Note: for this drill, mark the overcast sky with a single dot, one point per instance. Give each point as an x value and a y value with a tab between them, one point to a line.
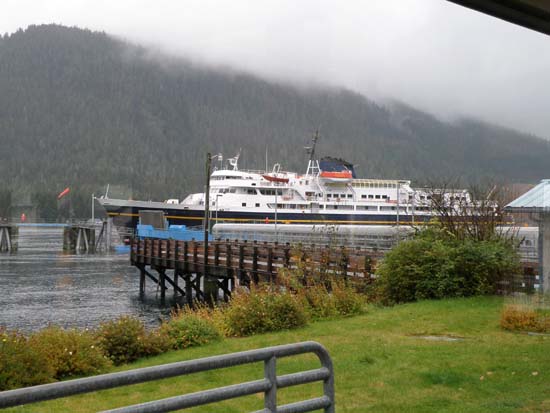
433	54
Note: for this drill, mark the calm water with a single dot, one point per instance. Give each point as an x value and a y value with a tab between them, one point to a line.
41	285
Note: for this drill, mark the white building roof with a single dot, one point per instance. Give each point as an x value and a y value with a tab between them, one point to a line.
534	200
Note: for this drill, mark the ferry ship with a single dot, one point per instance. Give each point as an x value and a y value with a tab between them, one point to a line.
328	193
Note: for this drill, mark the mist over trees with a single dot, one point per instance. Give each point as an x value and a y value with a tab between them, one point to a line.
83	109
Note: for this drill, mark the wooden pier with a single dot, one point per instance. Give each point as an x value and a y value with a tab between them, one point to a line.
8	238
233	263
79	238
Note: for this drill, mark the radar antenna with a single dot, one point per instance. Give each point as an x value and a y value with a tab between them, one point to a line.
313	164
234	161
310	150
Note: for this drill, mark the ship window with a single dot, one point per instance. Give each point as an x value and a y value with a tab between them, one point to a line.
310	193
257	204
292	206
377	196
384	197
232	190
367	207
270	191
243	204
251	192
342	195
307	182
350	196
329	195
363	196
371	196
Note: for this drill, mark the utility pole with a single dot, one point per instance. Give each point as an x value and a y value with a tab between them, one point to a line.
276	233
206	212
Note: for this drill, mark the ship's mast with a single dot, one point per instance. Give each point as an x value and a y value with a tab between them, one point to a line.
313	164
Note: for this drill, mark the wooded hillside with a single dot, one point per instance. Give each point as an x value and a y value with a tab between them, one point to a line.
83	109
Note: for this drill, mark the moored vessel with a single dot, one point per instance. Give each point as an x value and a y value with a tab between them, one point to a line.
328	193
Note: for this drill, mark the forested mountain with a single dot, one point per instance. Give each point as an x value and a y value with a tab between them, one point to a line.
83	109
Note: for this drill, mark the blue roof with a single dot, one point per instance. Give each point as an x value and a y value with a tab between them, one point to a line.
534	200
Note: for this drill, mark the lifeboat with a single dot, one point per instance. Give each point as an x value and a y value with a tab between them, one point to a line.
336	176
275	178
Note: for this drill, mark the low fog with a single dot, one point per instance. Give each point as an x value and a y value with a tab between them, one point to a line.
433	54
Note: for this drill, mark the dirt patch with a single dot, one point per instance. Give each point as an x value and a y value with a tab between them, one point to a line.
431	337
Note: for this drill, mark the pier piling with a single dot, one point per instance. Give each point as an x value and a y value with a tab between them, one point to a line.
79	239
8	238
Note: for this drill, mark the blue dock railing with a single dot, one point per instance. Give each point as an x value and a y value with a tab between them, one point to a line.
176	232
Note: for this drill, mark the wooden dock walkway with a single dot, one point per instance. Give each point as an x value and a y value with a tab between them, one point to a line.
232	263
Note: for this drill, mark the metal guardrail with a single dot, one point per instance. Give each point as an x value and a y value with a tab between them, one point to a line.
268	385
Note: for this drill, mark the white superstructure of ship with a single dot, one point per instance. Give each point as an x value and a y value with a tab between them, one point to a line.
326	193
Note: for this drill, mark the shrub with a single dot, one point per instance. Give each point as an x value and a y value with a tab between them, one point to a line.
20	365
188	330
261	311
155	342
318	302
522	318
122	339
436	265
347	301
285	311
69	352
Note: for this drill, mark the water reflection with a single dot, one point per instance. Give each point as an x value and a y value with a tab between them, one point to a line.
41	285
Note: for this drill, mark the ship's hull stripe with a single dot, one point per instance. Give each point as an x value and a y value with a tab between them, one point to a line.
125	216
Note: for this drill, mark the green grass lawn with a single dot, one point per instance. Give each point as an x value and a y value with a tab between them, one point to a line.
381	365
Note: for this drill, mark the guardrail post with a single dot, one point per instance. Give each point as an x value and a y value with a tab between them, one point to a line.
270	396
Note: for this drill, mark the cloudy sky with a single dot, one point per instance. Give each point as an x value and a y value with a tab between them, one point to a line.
433	54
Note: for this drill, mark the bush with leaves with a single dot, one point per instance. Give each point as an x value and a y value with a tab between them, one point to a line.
346	299
434	264
318	302
262	310
189	330
125	340
69	352
20	365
